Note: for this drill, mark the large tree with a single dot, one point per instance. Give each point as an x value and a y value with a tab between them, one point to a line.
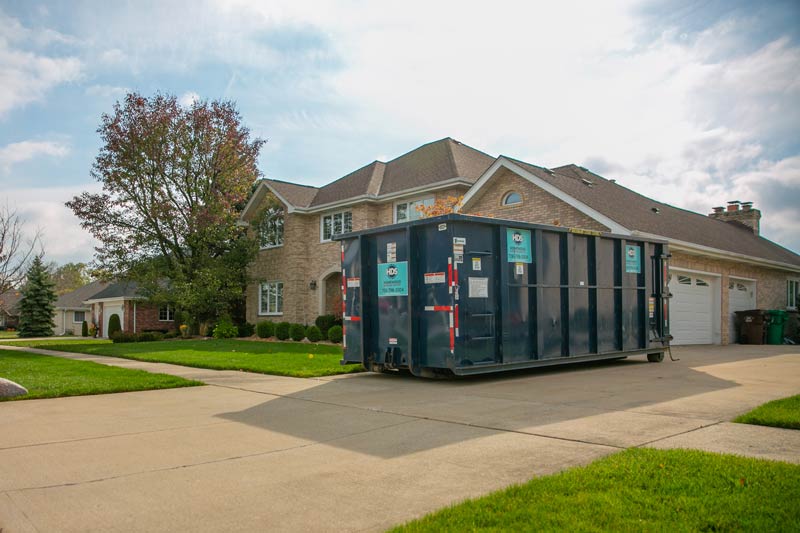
37	303
16	251
174	180
69	276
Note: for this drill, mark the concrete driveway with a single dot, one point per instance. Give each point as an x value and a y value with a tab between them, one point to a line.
363	452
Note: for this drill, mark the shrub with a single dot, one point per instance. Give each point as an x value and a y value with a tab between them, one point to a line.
225	329
297	332
324	323
246	330
113	325
149	336
92	330
282	330
206	329
265	329
335	334
313	334
184	329
170	334
123	336
85	329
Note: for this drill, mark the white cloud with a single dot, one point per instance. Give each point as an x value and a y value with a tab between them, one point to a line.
19	152
187	99
62	237
27	76
107	91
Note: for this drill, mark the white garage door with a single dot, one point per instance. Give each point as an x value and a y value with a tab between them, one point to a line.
741	297
690	309
109	310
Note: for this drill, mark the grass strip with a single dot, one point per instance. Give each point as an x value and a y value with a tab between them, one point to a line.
303	360
51	377
639	490
783	413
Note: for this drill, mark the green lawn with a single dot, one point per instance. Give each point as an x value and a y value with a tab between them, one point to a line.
8	334
783	413
639	490
302	360
51	377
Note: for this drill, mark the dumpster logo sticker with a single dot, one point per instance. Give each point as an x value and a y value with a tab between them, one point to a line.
518	244
393	279
632	263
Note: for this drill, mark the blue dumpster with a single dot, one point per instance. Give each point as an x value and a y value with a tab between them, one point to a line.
467	295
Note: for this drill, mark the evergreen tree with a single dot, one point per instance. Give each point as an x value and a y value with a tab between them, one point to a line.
37	303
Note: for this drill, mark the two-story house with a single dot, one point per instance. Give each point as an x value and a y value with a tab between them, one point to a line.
720	262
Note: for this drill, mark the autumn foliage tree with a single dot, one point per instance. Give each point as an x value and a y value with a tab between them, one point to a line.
173	181
441	206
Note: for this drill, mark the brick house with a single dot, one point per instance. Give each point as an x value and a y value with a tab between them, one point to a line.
136	314
9	310
71	311
720	263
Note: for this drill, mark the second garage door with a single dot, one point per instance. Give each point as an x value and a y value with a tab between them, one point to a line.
691	309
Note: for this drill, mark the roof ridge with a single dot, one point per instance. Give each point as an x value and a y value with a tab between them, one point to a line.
292	183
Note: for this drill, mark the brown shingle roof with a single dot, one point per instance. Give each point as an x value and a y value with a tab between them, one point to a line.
296	194
75	299
427	165
354	184
635	212
434	162
9	301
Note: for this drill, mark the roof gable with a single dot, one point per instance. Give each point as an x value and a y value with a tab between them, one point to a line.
75	299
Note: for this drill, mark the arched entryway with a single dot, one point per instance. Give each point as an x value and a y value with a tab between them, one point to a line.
331	294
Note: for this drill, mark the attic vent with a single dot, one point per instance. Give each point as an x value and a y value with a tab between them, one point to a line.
655	210
587	182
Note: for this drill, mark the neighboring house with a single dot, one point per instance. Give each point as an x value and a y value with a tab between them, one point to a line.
135	313
9	312
71	311
719	264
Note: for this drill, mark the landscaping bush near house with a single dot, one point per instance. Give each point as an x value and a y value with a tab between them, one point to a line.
170	335
84	329
123	336
184	329
335	334
265	329
324	323
246	330
113	325
282	330
297	332
225	329
313	334
207	329
150	336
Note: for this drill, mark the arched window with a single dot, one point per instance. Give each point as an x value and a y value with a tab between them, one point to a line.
512	198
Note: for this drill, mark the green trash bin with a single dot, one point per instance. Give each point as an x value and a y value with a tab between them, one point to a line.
777	320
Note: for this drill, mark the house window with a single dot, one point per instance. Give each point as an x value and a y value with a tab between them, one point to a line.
166	313
79	316
512	198
701	283
271	228
684	280
270	298
792	293
335	224
405	211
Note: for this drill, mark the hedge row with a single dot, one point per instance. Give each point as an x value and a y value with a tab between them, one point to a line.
297	332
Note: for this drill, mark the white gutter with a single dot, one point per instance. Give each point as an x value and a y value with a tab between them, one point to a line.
716	253
363	198
113	299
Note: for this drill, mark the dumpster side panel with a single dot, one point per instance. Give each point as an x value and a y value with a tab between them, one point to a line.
352	300
392	340
433	296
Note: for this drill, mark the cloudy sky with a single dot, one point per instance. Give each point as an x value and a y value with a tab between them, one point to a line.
692	103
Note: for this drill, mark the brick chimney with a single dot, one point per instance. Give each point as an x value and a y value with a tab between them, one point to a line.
739	212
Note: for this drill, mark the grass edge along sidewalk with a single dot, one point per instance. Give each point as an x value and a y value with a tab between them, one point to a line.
46	376
293	359
640	489
782	413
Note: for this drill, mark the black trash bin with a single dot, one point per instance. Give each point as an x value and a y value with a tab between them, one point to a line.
751	325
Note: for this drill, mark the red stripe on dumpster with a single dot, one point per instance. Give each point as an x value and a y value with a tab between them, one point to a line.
450	274
344	301
452	334
353	318
456	319
438	308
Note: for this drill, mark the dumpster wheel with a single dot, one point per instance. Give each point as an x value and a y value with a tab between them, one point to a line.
655	357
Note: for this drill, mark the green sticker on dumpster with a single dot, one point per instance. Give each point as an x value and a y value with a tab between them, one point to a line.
518	244
632	259
393	279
